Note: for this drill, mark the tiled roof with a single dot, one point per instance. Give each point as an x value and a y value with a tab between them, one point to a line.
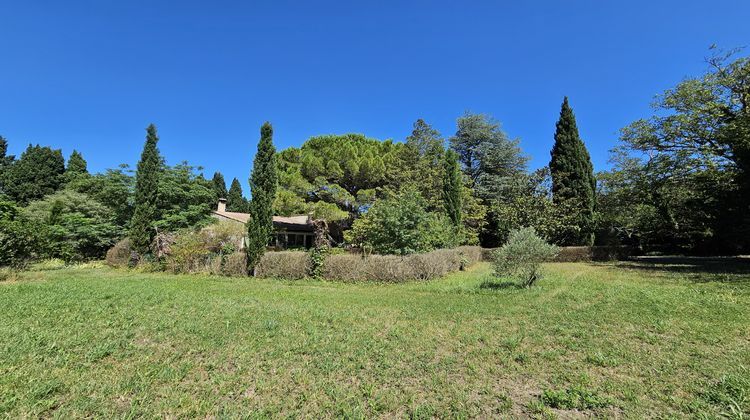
302	219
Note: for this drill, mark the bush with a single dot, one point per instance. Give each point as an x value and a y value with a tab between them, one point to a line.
393	268
235	265
188	254
291	265
522	256
19	238
121	255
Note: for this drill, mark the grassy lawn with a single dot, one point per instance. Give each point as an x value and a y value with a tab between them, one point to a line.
665	338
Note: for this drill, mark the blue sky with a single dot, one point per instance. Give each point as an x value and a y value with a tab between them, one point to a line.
91	75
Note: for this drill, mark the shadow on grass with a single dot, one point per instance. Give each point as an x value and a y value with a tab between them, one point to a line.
697	269
499	285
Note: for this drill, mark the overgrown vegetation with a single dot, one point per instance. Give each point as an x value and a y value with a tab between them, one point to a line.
679	184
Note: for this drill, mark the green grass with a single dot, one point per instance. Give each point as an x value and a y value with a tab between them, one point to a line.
629	340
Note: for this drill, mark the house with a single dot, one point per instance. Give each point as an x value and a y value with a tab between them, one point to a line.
288	232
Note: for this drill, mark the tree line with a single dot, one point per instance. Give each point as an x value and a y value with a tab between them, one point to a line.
678	183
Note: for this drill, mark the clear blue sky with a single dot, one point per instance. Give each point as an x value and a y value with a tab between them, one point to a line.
91	75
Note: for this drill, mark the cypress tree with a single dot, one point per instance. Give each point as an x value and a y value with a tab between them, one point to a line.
146	191
220	186
76	166
263	183
452	187
573	176
38	172
235	200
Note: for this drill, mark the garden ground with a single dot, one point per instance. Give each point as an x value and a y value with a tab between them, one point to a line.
655	337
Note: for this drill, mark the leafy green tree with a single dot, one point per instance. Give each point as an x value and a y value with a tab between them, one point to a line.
573	175
183	198
220	186
489	158
263	185
690	162
146	211
19	238
421	164
113	188
452	188
5	162
235	200
77	227
401	225
38	172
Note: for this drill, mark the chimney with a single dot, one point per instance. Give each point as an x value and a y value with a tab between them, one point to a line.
222	205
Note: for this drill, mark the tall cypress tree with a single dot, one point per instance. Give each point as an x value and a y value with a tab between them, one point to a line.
573	179
220	186
146	191
263	183
452	187
235	200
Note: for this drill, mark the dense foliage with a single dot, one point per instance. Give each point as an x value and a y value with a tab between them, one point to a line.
402	225
573	179
235	200
679	182
145	213
263	185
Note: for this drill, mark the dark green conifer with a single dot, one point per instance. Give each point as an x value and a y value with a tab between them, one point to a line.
220	186
452	187
146	192
573	179
235	200
263	183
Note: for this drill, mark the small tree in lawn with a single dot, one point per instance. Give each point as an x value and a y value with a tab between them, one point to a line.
452	187
146	192
522	256
263	183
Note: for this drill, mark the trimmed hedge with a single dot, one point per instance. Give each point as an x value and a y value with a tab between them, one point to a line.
378	268
291	265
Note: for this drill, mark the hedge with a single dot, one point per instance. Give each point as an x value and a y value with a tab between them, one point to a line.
378	268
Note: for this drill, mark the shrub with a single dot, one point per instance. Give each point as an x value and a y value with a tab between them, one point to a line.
394	268
522	256
224	237
188	254
19	238
291	265
235	265
122	255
